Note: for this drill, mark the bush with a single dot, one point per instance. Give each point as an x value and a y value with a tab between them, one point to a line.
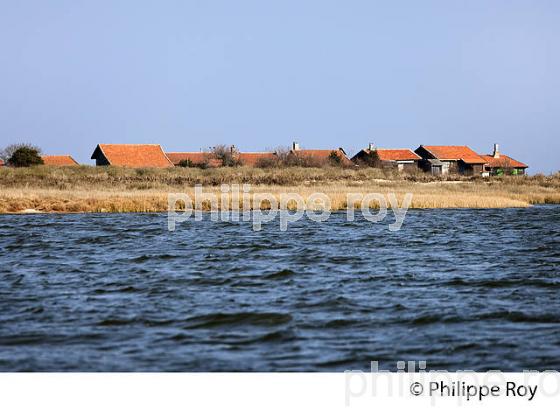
304	161
227	155
22	155
368	160
334	159
185	163
6	153
267	163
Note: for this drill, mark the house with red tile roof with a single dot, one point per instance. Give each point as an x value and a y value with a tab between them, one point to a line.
59	160
318	157
1	163
211	160
500	164
445	159
402	159
255	159
131	156
194	159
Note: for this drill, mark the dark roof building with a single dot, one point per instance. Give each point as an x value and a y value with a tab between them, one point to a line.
450	159
131	156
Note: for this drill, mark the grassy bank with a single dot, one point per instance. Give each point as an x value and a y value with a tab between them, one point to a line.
90	189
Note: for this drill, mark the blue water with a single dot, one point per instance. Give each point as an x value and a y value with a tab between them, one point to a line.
460	289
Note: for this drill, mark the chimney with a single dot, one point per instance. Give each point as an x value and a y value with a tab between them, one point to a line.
496	153
295	146
371	146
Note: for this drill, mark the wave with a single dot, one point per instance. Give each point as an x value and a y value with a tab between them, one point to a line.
240	318
281	274
503	283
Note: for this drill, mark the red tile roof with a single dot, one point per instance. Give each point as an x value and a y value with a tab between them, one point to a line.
503	161
322	154
247	158
252	158
197	158
194	157
1	163
133	155
397	155
58	160
455	152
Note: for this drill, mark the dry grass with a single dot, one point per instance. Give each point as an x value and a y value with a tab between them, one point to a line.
90	189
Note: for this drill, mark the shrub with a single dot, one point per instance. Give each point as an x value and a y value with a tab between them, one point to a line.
185	163
334	159
368	160
282	155
22	155
227	155
304	161
267	163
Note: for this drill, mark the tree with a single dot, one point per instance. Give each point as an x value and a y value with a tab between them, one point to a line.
21	155
7	152
229	156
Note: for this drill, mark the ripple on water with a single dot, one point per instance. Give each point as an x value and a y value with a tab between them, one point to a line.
460	289
238	318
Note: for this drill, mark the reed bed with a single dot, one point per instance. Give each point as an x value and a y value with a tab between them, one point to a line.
108	189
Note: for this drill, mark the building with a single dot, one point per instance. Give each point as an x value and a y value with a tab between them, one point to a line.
500	164
397	159
318	157
255	159
211	160
59	160
446	159
131	156
194	159
1	163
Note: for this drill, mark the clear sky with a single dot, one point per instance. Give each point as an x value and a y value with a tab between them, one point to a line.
259	74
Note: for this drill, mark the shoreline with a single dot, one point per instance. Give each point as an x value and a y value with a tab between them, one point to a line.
38	201
85	189
32	212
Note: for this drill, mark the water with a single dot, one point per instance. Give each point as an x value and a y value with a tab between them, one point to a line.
461	289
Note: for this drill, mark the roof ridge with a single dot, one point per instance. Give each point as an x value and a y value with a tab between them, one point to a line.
163	153
392	149
186	152
317	149
256	152
130	144
445	146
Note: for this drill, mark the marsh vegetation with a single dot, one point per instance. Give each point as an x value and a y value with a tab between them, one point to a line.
111	189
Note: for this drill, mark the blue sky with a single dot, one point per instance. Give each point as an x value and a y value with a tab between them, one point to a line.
191	74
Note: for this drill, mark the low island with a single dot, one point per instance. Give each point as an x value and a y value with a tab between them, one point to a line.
70	189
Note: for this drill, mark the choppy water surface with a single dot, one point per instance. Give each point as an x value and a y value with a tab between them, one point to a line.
461	289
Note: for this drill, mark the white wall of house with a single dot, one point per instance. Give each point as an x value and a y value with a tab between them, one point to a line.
445	167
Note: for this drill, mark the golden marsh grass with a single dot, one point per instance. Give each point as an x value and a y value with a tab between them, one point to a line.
91	189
